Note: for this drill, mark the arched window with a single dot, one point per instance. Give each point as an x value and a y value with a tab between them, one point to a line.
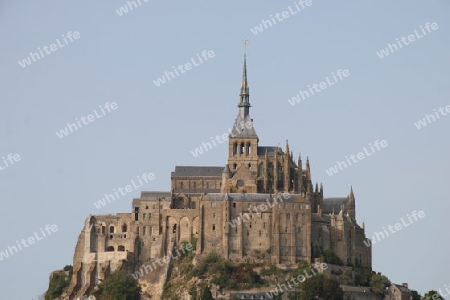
260	169
242	148
110	249
288	217
280	173
234	148
270	170
121	248
111	229
124	228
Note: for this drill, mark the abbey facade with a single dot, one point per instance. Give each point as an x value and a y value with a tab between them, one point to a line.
261	206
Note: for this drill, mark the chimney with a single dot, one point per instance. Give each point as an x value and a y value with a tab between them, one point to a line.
405	285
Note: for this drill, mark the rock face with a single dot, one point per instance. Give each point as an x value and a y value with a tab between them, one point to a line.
261	206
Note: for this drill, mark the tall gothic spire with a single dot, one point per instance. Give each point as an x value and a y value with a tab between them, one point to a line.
244	99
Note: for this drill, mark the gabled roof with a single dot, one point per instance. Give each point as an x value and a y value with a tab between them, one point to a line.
402	288
271	150
333	204
197	171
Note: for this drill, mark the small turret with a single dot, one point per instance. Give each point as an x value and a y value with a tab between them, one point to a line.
351	206
299	163
287	147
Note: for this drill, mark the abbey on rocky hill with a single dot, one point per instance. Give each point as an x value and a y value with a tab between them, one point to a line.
260	207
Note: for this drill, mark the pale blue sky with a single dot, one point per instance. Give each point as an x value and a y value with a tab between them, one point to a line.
155	128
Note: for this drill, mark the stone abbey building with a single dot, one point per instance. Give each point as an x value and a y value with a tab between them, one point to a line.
261	206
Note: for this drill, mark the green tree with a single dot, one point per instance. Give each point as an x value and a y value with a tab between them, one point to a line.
347	276
379	283
322	287
363	276
415	295
331	258
433	295
118	286
59	282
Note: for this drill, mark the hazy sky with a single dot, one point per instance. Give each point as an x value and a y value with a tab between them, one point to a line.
117	58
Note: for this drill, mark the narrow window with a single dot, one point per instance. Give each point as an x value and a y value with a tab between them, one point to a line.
214	226
234	205
214	215
111	229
